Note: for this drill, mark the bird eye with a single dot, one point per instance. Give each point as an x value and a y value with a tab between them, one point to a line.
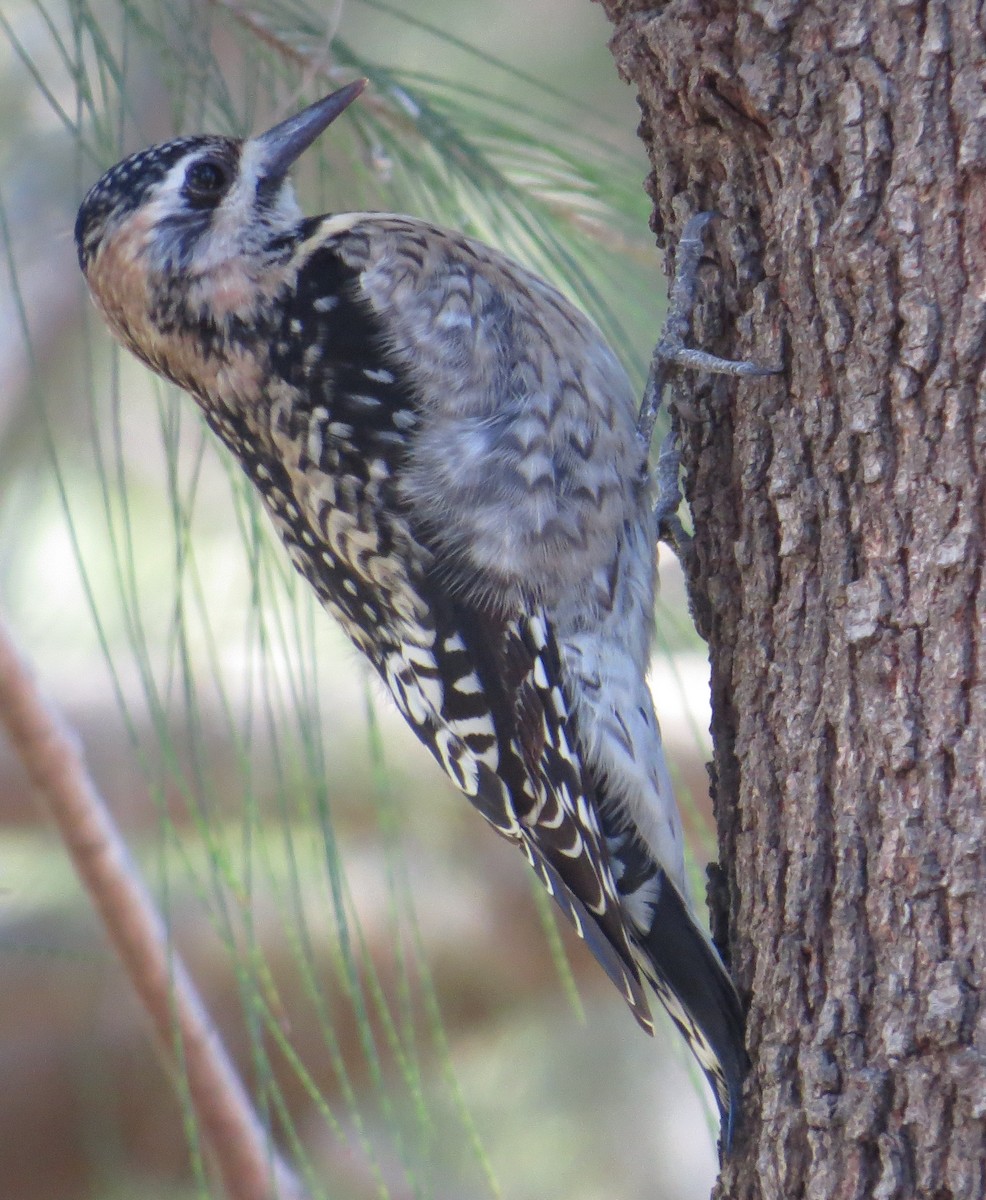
206	180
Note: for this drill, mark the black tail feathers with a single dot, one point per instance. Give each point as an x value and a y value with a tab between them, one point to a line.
690	980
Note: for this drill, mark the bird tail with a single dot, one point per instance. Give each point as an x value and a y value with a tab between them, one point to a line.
689	978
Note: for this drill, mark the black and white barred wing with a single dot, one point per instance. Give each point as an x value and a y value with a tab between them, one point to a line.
483	695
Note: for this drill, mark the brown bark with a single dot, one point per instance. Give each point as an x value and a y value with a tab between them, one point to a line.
839	565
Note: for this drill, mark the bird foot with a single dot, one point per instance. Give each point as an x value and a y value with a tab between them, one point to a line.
671	355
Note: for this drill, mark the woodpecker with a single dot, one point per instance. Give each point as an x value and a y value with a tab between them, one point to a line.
450	452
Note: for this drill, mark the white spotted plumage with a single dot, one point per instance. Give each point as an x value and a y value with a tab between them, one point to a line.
449	450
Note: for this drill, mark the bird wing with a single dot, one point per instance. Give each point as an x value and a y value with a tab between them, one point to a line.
525	460
484	697
478	682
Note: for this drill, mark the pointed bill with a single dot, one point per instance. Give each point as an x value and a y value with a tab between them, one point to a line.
287	141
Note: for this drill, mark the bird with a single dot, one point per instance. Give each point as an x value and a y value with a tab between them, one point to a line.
449	450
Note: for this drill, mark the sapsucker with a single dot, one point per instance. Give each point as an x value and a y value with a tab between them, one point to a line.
449	450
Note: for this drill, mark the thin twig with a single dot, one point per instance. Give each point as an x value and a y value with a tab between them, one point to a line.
246	1158
312	66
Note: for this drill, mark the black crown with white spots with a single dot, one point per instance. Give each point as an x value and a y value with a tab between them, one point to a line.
125	187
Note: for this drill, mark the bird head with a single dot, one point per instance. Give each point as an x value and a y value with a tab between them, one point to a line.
196	201
191	222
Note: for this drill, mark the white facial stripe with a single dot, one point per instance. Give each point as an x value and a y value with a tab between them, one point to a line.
231	222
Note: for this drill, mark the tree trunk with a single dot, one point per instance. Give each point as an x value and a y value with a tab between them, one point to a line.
839	562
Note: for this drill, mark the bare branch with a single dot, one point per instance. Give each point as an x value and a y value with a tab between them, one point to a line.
247	1160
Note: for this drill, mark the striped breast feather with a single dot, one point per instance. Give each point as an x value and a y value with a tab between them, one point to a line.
484	695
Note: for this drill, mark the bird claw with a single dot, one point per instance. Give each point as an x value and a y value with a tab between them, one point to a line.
670	355
669	526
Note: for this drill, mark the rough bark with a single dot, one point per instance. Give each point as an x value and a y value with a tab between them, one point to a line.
839	565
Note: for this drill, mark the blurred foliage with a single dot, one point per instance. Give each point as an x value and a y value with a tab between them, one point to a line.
224	716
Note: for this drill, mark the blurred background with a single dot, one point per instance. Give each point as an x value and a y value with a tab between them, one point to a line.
395	989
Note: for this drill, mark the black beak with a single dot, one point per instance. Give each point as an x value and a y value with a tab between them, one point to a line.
286	142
